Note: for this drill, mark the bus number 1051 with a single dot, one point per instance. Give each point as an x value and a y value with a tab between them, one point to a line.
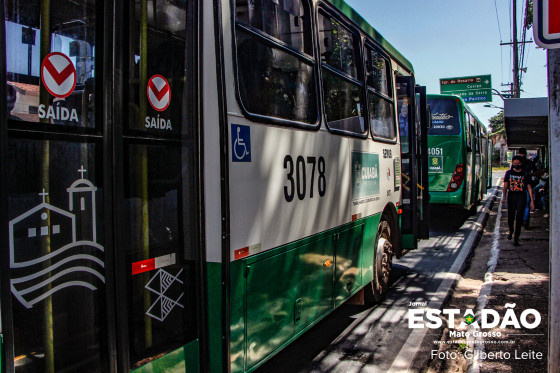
297	177
435	151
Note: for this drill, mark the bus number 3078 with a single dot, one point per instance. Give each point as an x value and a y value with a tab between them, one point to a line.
297	177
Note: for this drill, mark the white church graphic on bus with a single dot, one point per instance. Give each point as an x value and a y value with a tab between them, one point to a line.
73	253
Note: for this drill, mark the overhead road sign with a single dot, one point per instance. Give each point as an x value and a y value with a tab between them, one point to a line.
469	88
546	19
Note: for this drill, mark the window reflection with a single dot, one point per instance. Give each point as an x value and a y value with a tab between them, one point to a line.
275	83
342	103
162	311
281	19
158	48
378	72
72	33
337	46
57	256
275	80
404	114
343	93
382	117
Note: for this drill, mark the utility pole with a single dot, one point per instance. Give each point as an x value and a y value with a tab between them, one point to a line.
549	37
554	154
516	87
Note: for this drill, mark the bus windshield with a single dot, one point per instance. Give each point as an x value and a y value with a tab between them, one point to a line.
445	117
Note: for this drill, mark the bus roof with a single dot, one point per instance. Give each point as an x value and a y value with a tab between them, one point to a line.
349	12
463	103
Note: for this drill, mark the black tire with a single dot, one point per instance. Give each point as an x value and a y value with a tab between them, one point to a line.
382	263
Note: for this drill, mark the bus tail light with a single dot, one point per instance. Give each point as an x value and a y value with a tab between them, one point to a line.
457	178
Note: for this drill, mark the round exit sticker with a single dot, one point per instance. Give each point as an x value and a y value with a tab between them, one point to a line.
159	92
58	74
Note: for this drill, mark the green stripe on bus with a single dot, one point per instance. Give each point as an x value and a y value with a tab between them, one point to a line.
283	292
215	317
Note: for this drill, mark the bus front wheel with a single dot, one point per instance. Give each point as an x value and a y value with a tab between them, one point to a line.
382	262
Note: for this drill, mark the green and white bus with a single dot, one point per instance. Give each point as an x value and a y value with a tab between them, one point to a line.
459	151
188	186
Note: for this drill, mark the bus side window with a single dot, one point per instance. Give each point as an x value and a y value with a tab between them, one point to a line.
381	105
275	64
478	138
343	88
404	113
474	130
467	128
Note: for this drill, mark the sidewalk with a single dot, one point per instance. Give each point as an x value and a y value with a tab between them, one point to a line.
514	275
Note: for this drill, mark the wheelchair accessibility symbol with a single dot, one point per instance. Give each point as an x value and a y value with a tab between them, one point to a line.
240	143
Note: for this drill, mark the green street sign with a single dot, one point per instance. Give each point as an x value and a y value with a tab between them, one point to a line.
470	88
479	95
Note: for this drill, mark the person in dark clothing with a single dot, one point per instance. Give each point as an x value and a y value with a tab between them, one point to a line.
531	172
516	187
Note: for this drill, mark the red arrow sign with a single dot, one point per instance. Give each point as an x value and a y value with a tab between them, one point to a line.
159	92
58	74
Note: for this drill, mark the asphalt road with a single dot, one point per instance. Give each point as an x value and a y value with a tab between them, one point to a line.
377	338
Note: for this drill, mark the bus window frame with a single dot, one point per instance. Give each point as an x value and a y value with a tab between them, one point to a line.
47	127
467	129
474	132
286	48
368	43
329	11
479	135
402	71
6	320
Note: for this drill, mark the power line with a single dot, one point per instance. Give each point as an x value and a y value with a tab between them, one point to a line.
501	40
524	25
498	18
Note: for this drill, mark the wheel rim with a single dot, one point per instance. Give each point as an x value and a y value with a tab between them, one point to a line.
383	256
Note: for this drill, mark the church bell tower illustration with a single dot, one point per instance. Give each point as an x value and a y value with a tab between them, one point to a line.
81	196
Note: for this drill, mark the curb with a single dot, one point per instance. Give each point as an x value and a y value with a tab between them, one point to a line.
486	288
476	223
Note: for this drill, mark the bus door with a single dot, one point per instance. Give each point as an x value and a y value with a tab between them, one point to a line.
99	260
423	122
413	135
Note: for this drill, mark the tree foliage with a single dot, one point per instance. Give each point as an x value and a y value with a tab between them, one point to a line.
497	122
529	14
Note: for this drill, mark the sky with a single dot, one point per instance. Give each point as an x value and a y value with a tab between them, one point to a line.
455	38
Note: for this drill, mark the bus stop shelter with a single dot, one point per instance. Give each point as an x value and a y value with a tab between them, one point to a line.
526	122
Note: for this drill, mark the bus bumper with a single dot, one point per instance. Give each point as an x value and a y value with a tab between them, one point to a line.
447	198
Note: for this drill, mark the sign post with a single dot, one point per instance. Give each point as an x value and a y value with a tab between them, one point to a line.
546	31
469	88
554	246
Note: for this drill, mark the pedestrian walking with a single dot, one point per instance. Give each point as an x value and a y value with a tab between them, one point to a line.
516	188
530	169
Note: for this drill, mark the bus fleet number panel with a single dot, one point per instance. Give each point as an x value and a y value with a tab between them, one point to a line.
288	184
